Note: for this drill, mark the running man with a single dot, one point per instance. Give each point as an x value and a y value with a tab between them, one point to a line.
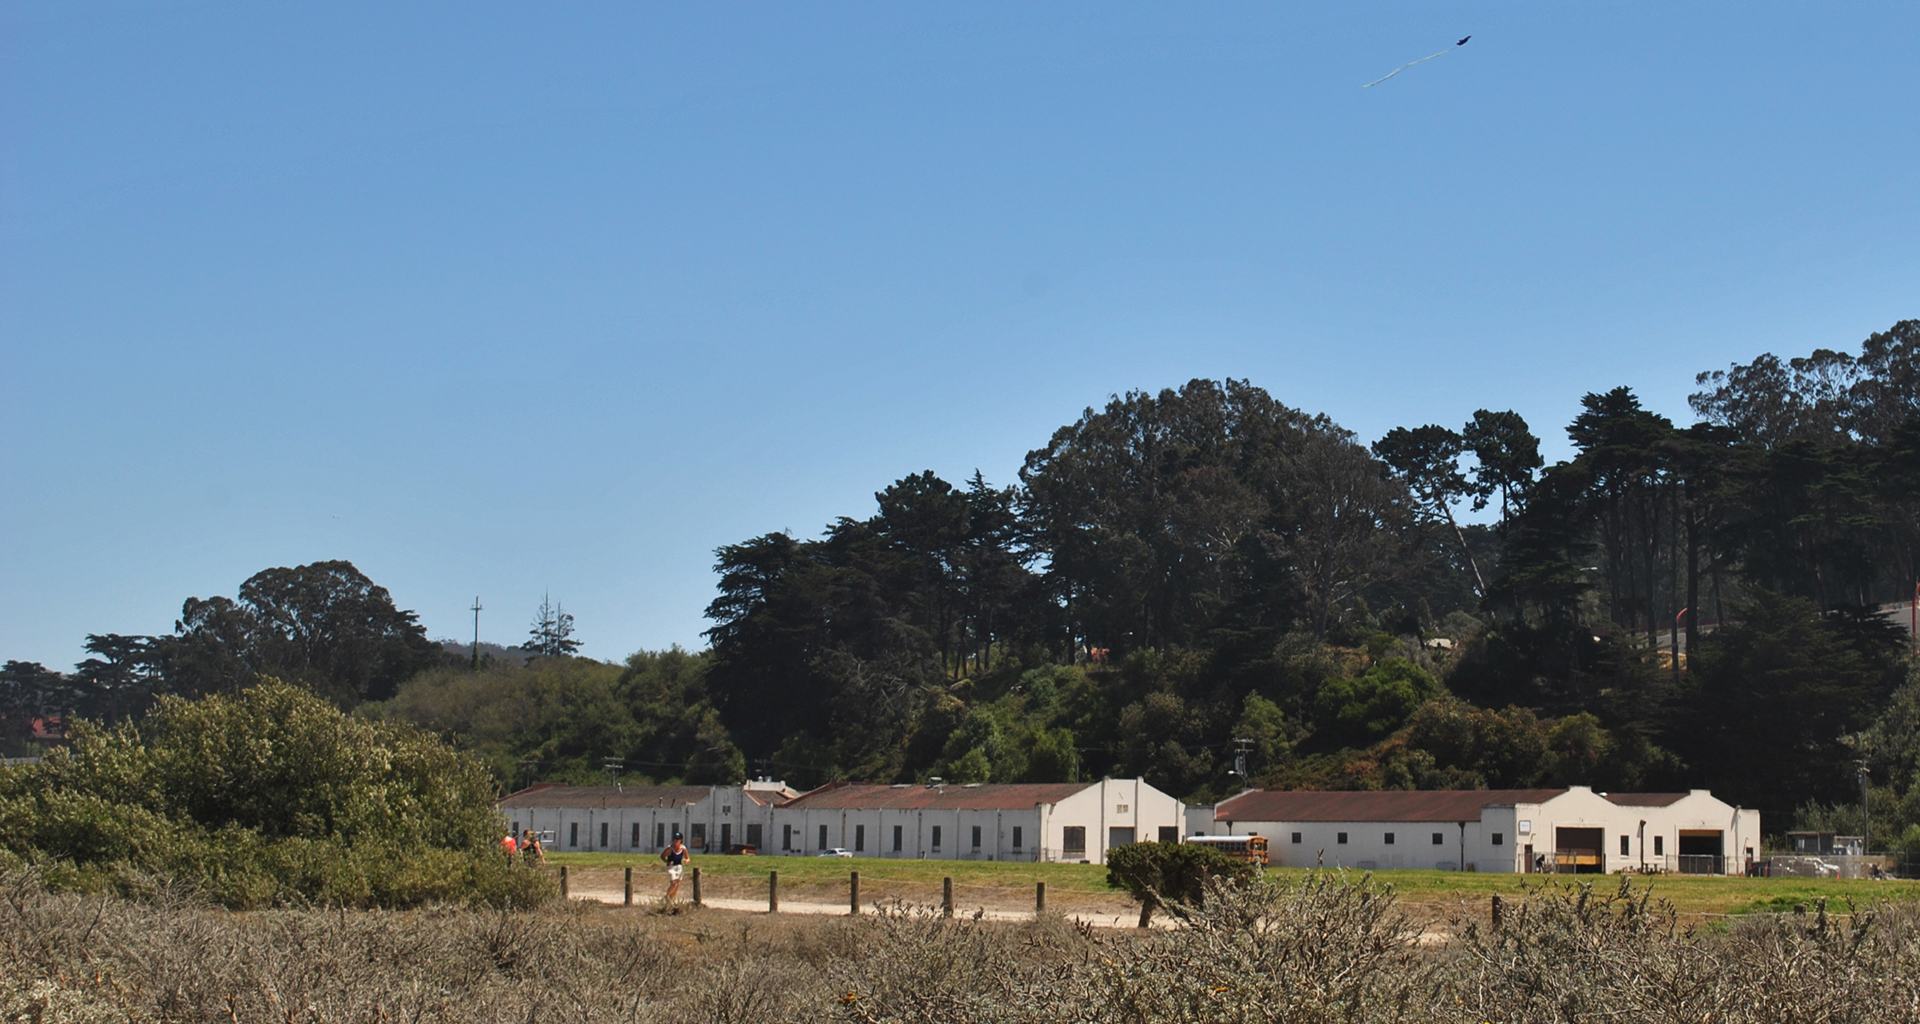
676	857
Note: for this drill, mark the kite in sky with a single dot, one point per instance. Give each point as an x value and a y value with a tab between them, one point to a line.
1411	63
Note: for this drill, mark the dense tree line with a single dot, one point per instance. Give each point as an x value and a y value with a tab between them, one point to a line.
1673	605
1209	588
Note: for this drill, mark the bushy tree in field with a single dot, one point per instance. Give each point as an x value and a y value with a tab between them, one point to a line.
1173	875
261	797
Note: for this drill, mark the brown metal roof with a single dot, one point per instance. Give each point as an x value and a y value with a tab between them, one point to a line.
548	795
1646	799
868	796
1390	805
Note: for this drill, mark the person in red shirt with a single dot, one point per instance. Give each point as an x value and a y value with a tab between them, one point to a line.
508	844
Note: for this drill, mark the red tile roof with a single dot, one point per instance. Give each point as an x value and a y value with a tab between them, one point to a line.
869	796
550	795
1646	799
1391	805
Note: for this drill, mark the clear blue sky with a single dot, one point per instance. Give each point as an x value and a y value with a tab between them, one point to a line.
501	300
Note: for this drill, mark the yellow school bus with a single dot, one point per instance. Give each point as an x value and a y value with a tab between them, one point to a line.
1252	849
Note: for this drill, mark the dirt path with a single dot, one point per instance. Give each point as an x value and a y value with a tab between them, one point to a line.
973	902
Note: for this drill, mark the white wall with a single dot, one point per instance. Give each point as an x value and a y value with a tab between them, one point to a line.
1109	805
1499	841
844	829
722	806
559	821
1099	809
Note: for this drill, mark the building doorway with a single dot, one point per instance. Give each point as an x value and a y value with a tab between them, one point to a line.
1579	851
1702	852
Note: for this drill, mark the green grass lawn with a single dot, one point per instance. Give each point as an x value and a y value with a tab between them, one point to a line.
1690	894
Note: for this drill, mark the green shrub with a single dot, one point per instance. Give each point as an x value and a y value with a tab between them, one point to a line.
1173	875
265	797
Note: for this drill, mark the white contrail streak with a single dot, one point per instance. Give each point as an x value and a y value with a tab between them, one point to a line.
1407	65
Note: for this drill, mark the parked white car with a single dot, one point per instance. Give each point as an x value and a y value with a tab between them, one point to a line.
835	852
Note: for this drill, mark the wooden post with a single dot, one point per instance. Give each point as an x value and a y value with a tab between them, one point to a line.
773	892
946	898
1496	913
629	886
696	888
1039	897
563	881
853	893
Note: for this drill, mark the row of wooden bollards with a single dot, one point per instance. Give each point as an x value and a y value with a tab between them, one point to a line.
853	893
565	888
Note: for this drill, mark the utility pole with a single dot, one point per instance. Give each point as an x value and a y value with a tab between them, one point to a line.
1241	745
612	766
1866	812
476	633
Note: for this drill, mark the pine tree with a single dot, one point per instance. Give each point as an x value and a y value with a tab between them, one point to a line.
552	632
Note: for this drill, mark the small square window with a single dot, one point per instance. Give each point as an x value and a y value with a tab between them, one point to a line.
1341	838
1389	839
1296	837
1119	808
1438	839
1499	839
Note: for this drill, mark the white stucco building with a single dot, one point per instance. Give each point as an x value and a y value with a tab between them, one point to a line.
643	819
1066	821
1566	830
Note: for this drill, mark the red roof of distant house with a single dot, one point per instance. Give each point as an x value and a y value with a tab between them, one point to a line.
547	794
870	796
1389	805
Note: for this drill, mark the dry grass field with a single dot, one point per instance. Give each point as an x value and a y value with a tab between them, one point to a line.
1296	948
